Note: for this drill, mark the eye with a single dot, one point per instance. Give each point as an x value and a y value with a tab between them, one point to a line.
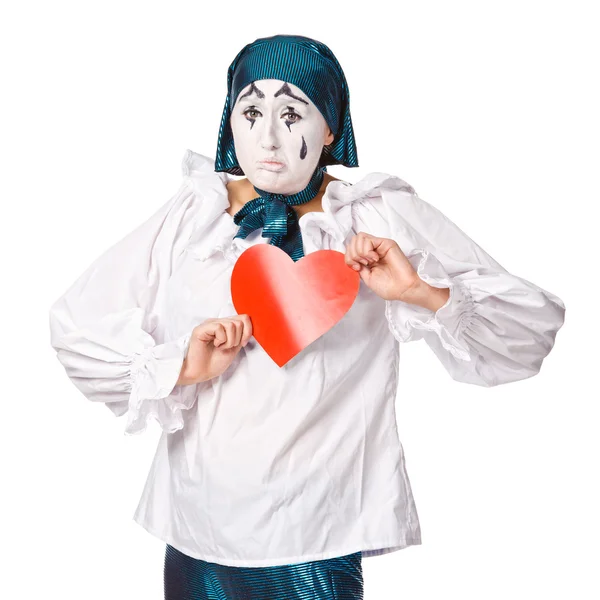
292	117
252	114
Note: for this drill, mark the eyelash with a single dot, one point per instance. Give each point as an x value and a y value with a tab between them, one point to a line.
249	110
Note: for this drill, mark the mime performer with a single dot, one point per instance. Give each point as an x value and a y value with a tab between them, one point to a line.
274	482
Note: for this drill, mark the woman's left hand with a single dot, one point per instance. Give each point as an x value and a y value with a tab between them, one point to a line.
383	266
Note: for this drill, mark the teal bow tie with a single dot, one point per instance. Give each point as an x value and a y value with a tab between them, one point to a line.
274	213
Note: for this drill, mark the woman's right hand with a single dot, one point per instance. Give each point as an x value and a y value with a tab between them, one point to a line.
213	346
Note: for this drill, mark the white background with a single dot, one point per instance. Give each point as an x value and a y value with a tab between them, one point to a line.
489	109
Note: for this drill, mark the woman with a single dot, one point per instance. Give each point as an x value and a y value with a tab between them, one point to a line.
274	482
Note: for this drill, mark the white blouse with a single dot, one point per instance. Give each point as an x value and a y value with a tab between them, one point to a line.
266	465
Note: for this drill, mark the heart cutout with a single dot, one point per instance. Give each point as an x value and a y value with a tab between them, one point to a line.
291	304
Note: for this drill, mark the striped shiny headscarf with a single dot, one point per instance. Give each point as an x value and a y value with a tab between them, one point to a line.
309	65
312	67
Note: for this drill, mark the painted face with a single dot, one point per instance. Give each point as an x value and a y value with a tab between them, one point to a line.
278	135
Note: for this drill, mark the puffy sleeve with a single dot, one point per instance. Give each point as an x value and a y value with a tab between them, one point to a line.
107	331
495	327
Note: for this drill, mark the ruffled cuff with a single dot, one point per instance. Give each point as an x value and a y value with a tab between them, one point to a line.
410	322
154	393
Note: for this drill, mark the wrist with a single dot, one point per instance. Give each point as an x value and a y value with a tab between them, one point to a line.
190	378
425	295
184	375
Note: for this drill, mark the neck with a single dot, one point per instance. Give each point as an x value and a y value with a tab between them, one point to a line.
241	191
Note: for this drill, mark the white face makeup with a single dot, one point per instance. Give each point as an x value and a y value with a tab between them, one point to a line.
278	135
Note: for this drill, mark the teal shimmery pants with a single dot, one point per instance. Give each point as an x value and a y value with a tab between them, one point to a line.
188	578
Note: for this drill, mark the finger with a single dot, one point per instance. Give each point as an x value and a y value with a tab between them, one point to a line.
220	335
247	333
369	246
379	246
238	330
241	331
230	329
358	250
358	255
365	246
368	251
244	324
351	254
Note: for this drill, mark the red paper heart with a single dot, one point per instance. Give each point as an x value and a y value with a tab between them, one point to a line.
291	304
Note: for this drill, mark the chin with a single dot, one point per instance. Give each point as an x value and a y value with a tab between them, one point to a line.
270	181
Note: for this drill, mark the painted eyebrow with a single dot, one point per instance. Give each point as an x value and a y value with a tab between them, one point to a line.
253	90
285	89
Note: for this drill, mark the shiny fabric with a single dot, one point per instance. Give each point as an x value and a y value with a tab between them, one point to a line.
274	213
187	578
262	465
307	64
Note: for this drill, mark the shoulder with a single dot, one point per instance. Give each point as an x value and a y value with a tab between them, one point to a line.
199	168
207	189
208	186
196	163
381	200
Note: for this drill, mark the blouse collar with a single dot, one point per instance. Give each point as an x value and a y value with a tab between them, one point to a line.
214	227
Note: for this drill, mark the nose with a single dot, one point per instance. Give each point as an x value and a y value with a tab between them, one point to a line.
269	138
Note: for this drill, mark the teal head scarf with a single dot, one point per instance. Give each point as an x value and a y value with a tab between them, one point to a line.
312	67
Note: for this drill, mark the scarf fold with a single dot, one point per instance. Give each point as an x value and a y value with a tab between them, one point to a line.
274	213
